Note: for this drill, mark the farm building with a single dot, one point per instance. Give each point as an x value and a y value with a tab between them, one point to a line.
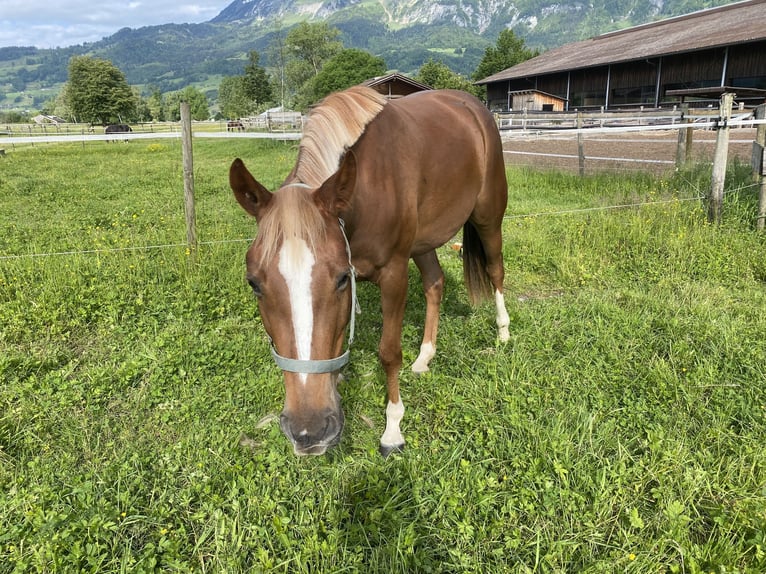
535	100
395	85
45	119
724	46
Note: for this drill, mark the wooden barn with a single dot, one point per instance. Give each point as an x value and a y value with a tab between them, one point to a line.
535	101
395	85
724	46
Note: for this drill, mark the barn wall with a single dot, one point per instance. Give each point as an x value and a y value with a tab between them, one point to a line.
634	83
747	66
588	88
696	70
555	84
536	102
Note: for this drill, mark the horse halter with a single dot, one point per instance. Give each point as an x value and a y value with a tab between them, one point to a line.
319	366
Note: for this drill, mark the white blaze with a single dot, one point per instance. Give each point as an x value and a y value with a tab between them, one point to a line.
296	263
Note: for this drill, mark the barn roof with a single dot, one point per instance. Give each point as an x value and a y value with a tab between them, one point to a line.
736	23
396	77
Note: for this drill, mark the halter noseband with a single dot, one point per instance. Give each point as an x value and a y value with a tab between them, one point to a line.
318	366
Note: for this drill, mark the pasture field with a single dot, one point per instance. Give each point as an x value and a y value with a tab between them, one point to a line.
621	429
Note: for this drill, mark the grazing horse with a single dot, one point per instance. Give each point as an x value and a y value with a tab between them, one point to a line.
118	129
376	183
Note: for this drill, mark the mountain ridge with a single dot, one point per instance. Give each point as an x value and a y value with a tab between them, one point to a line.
405	33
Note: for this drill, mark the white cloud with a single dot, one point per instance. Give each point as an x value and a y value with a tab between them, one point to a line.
59	23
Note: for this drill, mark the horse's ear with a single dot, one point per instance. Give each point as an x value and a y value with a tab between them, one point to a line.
250	194
335	193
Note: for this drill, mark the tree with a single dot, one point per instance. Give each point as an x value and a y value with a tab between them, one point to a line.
348	68
197	104
507	52
97	92
439	76
308	47
155	104
314	44
255	82
232	99
277	57
242	95
143	112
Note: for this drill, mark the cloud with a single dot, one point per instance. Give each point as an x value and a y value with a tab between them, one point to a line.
50	24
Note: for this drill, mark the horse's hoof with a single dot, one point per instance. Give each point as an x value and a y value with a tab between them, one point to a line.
386	450
420	369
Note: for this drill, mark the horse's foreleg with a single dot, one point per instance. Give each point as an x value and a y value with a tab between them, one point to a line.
393	295
433	287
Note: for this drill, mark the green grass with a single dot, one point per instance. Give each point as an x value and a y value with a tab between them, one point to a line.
620	430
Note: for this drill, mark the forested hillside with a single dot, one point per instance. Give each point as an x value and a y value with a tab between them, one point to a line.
405	34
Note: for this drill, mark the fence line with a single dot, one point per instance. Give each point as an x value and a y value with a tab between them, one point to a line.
251	239
144	136
568	156
120	249
604	208
741	123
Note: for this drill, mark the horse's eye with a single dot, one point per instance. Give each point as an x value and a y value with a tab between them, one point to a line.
256	287
343	280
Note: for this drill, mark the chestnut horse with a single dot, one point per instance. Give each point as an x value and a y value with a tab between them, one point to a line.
376	182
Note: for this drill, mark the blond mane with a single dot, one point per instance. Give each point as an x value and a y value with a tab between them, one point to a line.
293	215
332	127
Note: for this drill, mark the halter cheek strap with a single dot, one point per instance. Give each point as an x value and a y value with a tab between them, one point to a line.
318	366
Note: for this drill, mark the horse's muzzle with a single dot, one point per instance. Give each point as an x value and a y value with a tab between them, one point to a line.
314	436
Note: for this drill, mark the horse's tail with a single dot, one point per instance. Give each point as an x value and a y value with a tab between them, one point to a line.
477	280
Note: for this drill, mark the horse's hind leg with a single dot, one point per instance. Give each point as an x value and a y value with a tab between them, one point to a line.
433	286
491	238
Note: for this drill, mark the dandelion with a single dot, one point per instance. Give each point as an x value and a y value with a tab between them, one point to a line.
631	557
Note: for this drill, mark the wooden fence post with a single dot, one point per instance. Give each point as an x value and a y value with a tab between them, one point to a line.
715	201
758	147
683	150
188	163
580	145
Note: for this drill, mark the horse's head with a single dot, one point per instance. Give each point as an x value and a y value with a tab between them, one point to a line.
299	269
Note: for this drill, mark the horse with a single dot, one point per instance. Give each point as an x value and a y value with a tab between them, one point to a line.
376	183
118	129
235	126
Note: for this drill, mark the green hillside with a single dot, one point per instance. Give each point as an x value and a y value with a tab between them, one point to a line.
404	34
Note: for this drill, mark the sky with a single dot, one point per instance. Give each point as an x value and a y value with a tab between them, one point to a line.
61	23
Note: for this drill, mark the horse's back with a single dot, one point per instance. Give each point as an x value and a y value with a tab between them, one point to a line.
436	156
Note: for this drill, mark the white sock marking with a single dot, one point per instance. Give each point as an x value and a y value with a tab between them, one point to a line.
295	264
502	319
427	352
393	436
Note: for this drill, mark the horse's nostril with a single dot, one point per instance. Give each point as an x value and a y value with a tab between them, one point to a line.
331	426
313	436
303	439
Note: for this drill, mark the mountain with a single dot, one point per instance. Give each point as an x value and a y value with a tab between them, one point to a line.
405	33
